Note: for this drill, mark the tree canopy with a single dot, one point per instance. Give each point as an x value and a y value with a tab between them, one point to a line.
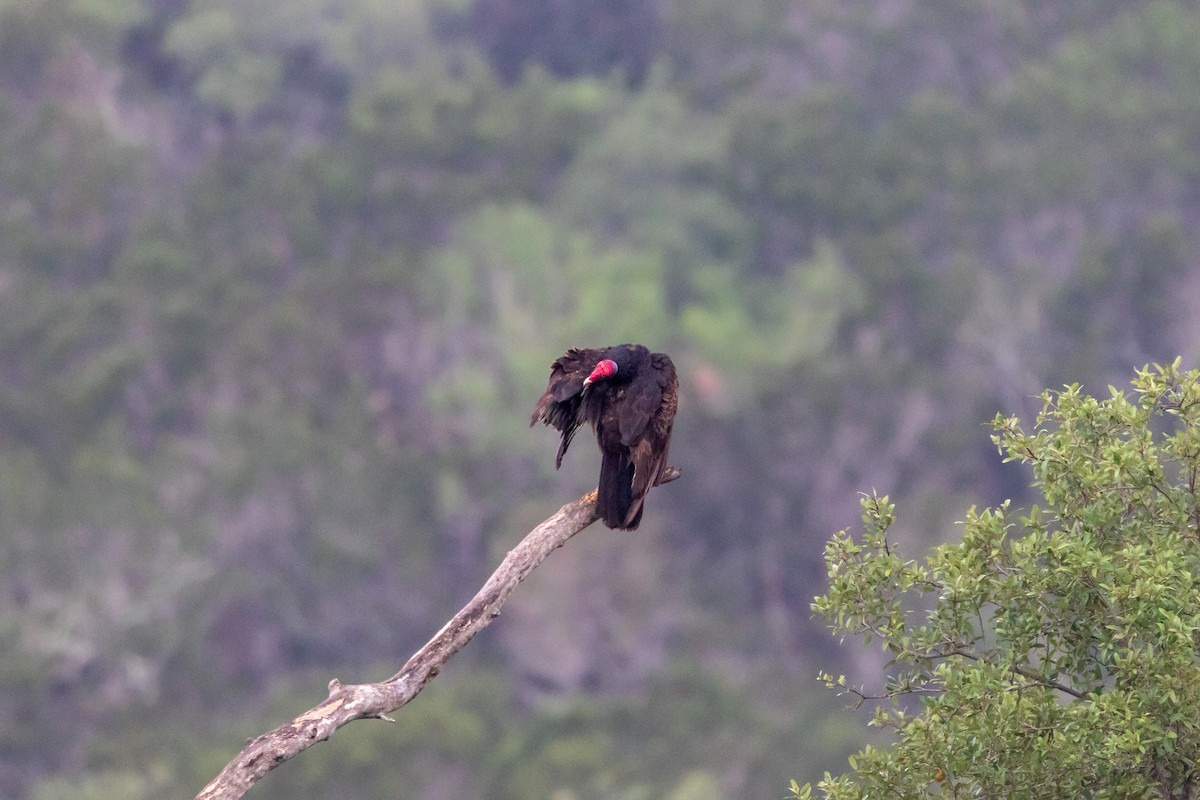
1051	654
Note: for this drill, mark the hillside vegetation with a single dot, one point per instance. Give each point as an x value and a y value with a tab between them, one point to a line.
281	282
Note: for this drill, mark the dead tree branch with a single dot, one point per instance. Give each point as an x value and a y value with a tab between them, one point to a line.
376	700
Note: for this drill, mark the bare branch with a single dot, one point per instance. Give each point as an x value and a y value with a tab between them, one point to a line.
376	700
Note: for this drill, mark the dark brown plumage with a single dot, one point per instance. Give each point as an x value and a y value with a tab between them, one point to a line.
629	395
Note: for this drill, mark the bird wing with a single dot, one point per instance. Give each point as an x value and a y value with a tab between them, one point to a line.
567	375
644	397
649	453
561	405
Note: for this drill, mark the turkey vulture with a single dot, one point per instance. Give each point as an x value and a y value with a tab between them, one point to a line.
629	395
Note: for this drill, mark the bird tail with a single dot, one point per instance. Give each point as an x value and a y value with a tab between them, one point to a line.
615	503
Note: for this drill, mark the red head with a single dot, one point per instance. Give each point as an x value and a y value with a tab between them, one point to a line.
605	369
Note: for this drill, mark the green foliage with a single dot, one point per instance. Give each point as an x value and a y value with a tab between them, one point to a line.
1054	654
767	324
131	786
241	51
280	282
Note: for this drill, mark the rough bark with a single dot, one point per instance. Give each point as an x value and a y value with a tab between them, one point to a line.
376	700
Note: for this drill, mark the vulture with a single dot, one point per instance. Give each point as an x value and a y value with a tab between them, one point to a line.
629	396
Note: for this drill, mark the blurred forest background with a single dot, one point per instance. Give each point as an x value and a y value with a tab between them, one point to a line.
281	282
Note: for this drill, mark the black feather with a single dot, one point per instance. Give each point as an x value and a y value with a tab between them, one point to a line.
632	412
